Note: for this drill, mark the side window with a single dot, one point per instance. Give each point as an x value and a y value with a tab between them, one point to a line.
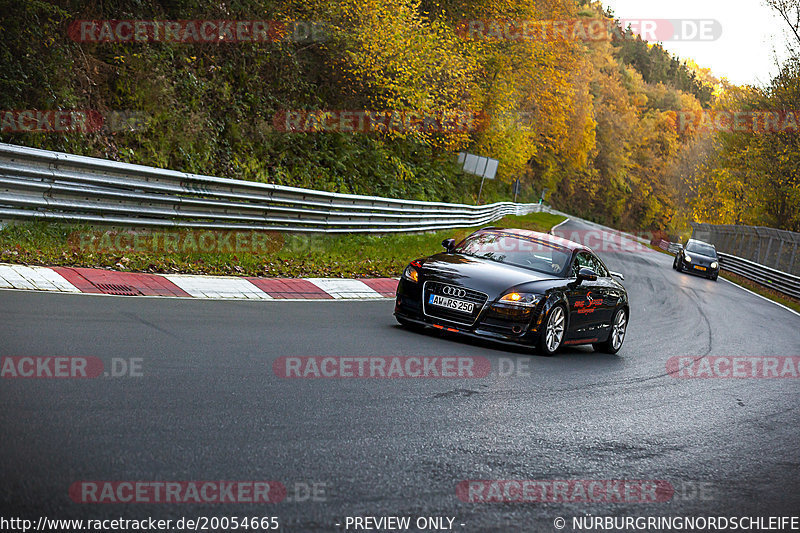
599	268
581	260
584	259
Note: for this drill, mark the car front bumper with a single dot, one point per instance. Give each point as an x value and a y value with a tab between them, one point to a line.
498	324
701	270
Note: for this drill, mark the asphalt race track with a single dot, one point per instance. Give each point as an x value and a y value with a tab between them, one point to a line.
209	407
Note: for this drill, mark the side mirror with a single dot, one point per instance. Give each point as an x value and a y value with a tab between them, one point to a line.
449	244
586	274
617	275
719	259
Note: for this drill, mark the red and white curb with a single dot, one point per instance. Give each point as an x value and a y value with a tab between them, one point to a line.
98	281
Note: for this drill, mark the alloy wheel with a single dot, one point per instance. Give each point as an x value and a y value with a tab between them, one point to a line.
618	331
555	329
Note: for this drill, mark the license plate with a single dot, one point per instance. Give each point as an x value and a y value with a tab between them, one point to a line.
698	267
451	303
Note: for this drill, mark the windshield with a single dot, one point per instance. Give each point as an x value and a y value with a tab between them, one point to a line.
702	249
526	252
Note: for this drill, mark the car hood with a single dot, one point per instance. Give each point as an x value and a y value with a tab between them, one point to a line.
700	259
484	275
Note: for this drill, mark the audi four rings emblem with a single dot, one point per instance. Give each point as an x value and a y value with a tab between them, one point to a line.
454	291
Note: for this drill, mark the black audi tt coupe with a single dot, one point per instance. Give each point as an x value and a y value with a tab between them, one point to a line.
516	287
698	257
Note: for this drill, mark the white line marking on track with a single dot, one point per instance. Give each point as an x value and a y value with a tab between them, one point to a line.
762	297
557	225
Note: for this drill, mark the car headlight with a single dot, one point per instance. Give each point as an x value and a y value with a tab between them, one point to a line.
714	264
411	274
687	258
522	299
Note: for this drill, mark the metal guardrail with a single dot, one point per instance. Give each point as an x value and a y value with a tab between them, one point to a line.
673	248
763	275
40	184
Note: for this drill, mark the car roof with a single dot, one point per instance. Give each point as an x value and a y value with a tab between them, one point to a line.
546	237
701	242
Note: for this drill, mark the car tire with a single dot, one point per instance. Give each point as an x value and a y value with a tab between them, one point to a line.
714	277
616	336
555	329
675	263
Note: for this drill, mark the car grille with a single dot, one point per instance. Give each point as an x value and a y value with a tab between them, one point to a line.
459	317
506	321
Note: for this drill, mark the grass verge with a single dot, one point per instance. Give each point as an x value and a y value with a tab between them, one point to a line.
773	295
279	255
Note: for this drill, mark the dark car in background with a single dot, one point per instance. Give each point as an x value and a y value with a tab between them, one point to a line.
516	287
698	257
